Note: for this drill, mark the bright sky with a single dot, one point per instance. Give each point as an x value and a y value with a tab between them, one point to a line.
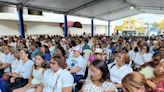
151	18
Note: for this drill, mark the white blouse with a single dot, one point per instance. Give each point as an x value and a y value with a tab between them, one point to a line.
37	76
15	65
141	59
25	69
54	82
117	74
73	62
89	86
131	54
8	58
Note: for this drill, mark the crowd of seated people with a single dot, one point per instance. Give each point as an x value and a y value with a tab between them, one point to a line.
44	63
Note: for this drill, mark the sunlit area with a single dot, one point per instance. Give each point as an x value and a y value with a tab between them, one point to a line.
140	24
81	45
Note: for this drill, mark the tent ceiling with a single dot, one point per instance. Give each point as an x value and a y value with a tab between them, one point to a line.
102	9
62	5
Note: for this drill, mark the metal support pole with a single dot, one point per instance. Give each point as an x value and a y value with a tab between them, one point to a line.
21	22
92	27
65	26
108	27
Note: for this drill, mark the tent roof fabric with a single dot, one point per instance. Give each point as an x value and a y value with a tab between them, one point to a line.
101	9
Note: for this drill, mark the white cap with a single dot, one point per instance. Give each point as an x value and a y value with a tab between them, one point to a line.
63	39
98	50
77	48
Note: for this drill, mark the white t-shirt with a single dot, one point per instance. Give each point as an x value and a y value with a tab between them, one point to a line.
52	49
15	65
148	57
141	59
37	78
151	50
54	82
25	69
131	54
73	62
1	57
89	86
8	58
117	74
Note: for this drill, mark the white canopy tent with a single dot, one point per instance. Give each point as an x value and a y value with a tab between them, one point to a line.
100	9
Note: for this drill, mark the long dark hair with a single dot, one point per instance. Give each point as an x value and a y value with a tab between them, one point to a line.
46	49
102	66
42	65
146	47
61	49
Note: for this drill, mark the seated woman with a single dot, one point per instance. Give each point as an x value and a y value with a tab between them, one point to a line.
6	60
99	80
14	66
142	56
44	51
134	82
33	50
119	69
148	68
57	79
36	78
157	84
17	62
23	73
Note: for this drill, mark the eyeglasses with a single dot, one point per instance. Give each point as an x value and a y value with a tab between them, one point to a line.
53	63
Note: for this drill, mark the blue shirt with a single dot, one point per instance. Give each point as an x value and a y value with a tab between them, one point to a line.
47	56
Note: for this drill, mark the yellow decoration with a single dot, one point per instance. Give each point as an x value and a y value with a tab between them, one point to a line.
161	24
132	24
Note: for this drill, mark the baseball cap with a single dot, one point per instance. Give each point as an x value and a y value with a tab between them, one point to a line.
77	48
98	51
